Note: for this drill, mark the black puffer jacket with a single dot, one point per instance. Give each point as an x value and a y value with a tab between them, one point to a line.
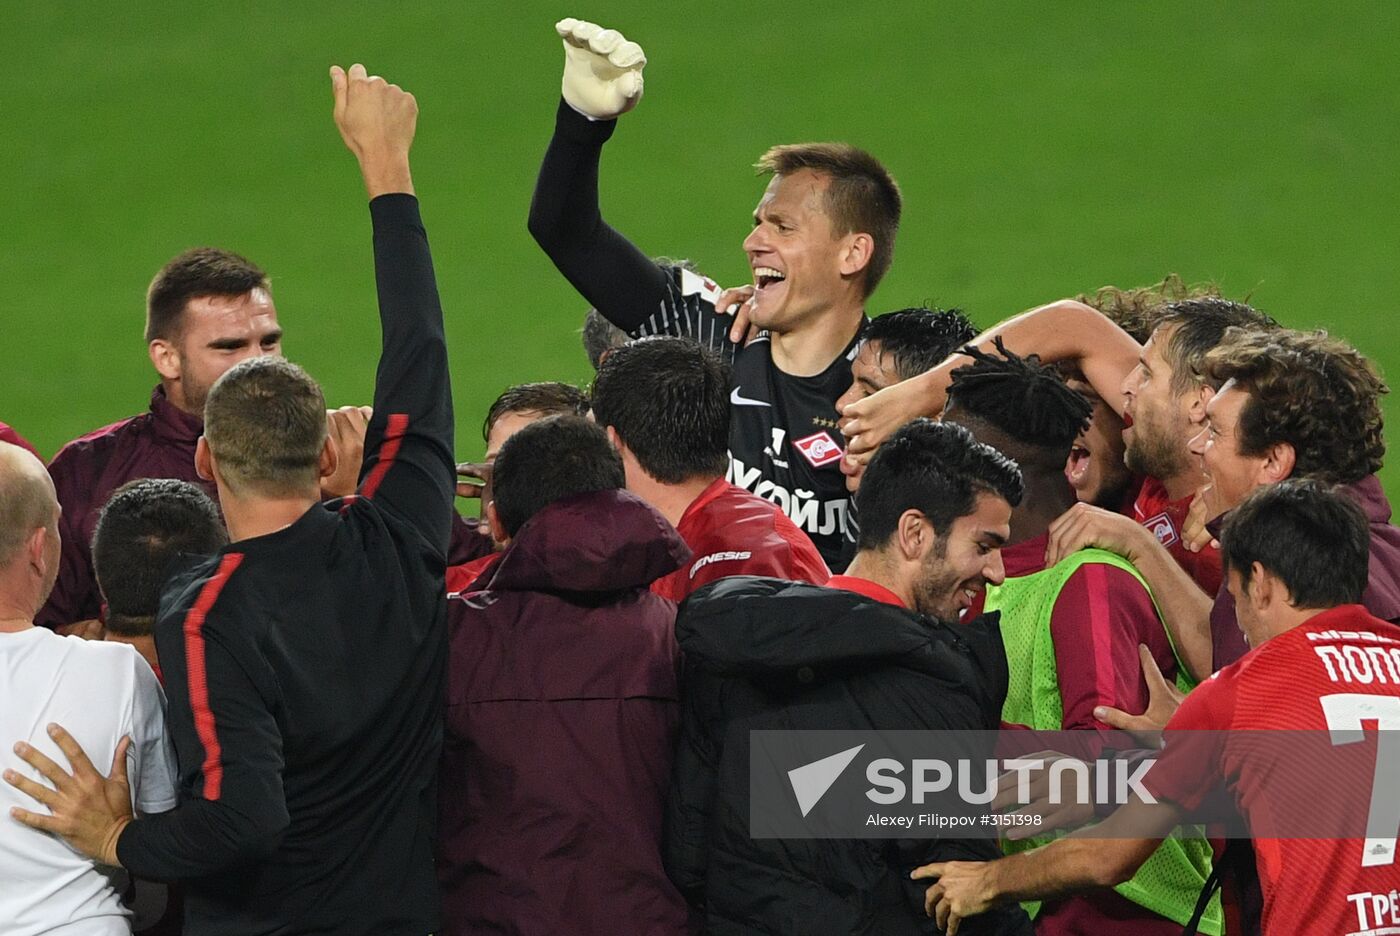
762	654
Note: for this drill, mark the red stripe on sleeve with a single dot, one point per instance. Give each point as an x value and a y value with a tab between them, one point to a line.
213	766
393	438
1101	632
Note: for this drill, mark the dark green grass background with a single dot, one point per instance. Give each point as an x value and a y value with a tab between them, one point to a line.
1043	149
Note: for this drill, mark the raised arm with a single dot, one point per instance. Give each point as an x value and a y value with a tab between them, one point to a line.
602	79
408	463
1061	331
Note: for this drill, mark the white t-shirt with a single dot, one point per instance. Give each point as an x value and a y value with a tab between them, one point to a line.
98	692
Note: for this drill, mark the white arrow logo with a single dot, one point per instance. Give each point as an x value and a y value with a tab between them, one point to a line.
811	781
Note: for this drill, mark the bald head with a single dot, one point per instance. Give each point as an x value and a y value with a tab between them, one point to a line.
27	500
28	534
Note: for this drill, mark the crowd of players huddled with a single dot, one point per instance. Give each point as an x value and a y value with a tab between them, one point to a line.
261	677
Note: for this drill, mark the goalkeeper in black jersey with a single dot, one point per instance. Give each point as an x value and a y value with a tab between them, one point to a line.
823	237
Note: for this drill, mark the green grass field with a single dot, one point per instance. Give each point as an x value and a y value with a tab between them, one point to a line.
1043	149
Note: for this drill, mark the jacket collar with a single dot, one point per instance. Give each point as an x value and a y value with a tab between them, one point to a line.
171	423
861	586
605	541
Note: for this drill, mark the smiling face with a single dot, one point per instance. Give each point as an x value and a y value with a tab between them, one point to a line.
1232	474
960	565
1156	417
216	332
794	253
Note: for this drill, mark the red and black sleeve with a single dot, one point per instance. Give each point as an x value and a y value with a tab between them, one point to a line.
408	465
221	717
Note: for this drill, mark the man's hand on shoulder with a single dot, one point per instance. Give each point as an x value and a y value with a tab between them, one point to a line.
377	121
602	70
1085	525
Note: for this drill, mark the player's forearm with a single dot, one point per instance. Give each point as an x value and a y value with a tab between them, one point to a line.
198	839
1072	332
564	209
608	270
1063	867
408	451
1185	608
1061	331
412	375
932	386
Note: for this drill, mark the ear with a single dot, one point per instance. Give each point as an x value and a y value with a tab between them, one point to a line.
330	459
36	547
1263	588
914	534
1196	408
1279	462
631	468
203	459
493	521
856	255
165	356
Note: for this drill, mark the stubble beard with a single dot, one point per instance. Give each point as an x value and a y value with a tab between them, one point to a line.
1153	455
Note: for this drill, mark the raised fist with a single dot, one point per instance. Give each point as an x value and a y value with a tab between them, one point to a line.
377	121
602	70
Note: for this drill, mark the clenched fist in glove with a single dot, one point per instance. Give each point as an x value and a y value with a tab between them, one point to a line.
602	70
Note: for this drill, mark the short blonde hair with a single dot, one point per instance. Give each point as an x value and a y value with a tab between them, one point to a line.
265	422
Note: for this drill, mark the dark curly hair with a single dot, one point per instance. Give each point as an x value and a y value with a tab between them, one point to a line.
1136	310
1315	392
142	528
1027	401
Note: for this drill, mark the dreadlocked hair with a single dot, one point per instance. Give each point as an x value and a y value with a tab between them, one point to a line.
1023	398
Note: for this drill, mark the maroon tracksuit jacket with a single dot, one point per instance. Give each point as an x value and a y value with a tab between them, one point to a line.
562	708
158	443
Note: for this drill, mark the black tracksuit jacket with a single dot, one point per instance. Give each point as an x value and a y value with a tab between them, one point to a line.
305	670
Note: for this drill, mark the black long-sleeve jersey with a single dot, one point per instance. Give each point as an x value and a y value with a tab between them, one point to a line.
305	670
783	441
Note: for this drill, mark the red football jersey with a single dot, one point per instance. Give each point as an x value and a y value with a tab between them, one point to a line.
733	532
1165	518
1338	672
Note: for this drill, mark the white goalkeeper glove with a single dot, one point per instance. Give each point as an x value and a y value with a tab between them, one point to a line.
602	70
